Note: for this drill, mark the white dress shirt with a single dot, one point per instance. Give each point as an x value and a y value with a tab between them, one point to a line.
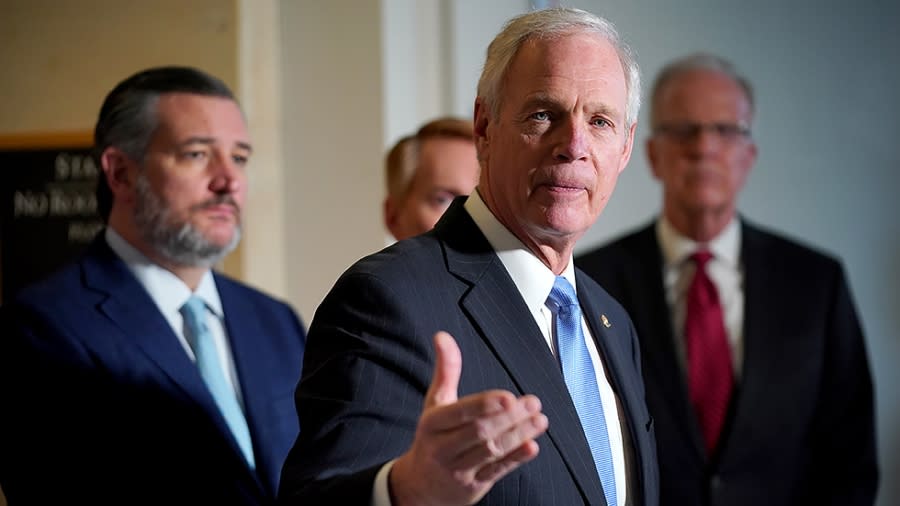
534	280
169	293
725	271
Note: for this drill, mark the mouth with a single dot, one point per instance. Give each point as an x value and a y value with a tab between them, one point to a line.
562	187
220	210
704	175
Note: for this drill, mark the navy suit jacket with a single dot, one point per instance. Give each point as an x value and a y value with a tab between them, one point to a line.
801	422
370	359
101	404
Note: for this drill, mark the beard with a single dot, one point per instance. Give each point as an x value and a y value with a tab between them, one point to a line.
178	241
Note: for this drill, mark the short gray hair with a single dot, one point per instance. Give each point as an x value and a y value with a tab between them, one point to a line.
692	63
548	24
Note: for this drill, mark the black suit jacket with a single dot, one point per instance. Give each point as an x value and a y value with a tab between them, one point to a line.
369	363
102	405
801	423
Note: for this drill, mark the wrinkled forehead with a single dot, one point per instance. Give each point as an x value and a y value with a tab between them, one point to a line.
701	92
185	115
578	62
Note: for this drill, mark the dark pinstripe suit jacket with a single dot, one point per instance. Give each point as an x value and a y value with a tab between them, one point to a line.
802	422
369	361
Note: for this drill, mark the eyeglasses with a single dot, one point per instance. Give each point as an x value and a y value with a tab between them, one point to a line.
686	131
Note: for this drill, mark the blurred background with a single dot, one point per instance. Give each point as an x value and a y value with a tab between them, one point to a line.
328	86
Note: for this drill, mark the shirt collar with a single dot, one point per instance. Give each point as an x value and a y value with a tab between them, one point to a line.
677	247
532	278
166	289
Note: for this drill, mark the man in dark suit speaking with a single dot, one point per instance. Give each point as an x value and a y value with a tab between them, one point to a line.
754	359
460	366
137	375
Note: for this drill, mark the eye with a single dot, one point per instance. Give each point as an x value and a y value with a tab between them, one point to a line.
195	155
540	116
730	131
240	160
441	199
601	122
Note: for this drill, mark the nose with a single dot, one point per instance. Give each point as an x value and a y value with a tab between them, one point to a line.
704	142
573	141
227	175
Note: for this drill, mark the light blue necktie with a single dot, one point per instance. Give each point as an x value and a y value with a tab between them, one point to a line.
578	372
201	340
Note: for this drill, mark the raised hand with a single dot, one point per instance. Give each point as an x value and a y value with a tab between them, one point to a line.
463	446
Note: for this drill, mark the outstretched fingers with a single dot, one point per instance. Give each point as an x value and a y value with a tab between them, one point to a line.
464	445
492	437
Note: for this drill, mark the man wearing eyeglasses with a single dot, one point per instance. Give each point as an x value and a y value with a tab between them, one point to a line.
753	356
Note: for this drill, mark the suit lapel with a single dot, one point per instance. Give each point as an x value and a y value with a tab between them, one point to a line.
508	327
761	367
611	345
650	311
133	312
244	331
615	355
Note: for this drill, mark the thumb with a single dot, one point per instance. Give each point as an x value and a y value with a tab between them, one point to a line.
447	369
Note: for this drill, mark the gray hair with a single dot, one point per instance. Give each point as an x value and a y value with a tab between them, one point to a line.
692	63
128	117
548	24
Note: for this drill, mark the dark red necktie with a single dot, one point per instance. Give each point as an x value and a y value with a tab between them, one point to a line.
710	377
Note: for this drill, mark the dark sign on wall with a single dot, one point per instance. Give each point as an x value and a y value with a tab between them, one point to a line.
49	212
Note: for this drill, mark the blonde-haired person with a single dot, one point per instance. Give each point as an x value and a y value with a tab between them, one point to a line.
425	171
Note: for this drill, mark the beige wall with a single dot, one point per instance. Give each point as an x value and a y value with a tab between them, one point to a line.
61	57
334	142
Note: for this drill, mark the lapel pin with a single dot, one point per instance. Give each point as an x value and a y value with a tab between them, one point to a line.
605	321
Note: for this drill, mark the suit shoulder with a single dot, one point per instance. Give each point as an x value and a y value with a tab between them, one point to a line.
401	258
403	271
226	282
784	250
229	286
615	250
63	284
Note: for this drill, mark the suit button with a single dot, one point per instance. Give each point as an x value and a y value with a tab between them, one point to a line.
715	483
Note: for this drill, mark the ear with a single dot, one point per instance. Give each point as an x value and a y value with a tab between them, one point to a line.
119	171
752	153
390	215
748	161
651	156
481	122
627	148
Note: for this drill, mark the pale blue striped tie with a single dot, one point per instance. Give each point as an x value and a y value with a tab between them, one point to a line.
201	341
578	372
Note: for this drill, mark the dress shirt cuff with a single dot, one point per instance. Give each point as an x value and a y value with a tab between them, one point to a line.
381	494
